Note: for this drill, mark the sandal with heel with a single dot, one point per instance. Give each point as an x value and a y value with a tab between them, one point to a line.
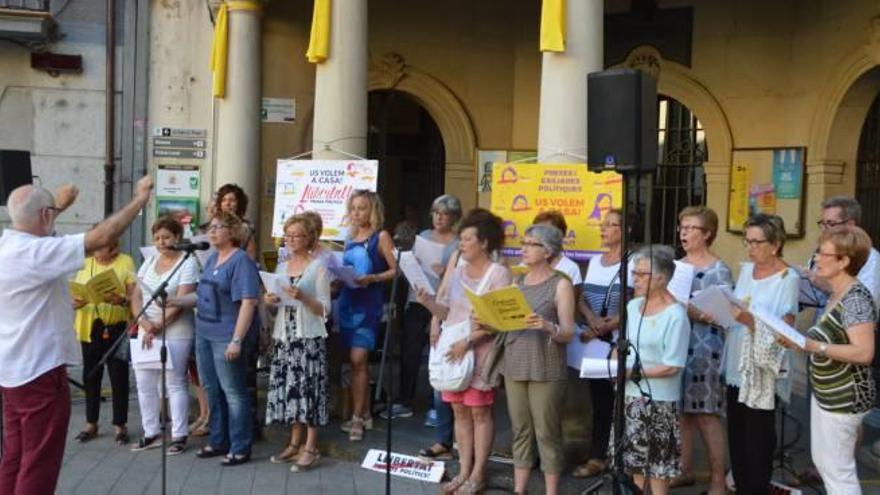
299	466
453	485
287	455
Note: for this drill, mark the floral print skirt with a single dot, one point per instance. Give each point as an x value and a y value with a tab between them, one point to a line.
298	383
652	438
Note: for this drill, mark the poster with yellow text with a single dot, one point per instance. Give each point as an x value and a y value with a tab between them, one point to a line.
522	190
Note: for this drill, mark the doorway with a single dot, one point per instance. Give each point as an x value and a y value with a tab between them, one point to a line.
403	136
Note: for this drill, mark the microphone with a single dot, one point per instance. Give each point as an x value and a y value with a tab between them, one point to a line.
189	247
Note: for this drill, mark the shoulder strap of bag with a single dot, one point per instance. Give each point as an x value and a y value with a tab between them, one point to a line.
485	280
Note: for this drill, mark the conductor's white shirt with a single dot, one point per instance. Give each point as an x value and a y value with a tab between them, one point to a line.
36	315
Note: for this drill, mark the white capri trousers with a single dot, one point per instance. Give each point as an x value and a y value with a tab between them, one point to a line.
149	390
833	438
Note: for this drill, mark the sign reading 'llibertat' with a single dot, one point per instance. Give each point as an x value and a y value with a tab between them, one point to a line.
405	466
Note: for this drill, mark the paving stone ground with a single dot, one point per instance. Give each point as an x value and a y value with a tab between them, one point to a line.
100	467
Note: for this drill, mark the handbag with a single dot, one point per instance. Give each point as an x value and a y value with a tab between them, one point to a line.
447	376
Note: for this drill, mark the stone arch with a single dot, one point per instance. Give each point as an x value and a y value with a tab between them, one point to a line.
391	72
837	122
676	81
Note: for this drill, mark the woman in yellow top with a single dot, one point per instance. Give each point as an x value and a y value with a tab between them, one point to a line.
97	327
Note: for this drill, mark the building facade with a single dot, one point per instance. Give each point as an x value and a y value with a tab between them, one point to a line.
424	86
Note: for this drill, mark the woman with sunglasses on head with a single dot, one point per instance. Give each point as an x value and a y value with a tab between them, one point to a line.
841	349
599	306
756	368
704	392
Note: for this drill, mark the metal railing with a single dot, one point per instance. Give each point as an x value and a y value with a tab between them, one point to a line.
31	5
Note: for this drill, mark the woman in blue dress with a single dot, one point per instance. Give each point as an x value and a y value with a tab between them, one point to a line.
369	250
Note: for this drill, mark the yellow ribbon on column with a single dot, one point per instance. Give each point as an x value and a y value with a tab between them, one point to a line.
553	25
220	45
319	39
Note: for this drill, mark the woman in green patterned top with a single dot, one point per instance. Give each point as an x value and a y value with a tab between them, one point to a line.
841	347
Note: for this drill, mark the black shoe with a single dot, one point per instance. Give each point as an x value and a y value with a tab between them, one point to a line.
147	443
235	460
177	447
207	452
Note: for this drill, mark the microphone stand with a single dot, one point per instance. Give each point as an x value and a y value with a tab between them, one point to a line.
160	293
391	316
618	480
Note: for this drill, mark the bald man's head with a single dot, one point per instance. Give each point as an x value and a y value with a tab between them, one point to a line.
26	204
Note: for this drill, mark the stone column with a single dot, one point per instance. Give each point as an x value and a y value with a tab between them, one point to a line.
341	85
238	113
562	128
562	121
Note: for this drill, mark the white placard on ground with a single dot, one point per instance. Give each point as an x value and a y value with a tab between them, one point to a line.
404	466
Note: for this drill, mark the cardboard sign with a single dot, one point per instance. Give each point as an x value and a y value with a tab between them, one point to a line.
522	190
404	466
322	186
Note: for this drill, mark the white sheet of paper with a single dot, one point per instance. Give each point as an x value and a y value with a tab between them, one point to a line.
148	252
346	274
682	281
598	368
429	253
276	284
414	273
779	326
148	358
713	301
576	350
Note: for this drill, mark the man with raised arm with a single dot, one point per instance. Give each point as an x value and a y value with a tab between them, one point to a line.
37	342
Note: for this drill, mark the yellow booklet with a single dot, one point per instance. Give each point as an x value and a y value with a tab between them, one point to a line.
518	270
503	309
96	290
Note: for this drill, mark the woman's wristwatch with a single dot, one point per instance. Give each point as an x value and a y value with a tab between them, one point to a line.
236	340
823	350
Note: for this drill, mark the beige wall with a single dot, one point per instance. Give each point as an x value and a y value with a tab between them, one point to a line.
762	75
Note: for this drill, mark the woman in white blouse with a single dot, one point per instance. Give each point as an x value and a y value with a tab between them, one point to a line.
177	325
299	390
755	366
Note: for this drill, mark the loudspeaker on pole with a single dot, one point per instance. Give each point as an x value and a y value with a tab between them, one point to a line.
621	121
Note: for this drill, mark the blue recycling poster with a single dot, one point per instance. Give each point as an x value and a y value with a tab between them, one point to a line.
788	167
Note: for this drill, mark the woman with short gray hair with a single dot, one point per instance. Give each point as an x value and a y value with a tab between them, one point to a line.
659	330
753	362
533	360
445	214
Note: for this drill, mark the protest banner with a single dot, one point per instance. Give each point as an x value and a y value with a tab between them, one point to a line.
322	186
522	190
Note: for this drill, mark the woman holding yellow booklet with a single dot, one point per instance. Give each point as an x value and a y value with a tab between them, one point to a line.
481	234
533	360
97	326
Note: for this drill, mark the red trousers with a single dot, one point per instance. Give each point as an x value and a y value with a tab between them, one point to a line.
35	420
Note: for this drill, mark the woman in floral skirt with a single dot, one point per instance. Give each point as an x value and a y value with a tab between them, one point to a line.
298	381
